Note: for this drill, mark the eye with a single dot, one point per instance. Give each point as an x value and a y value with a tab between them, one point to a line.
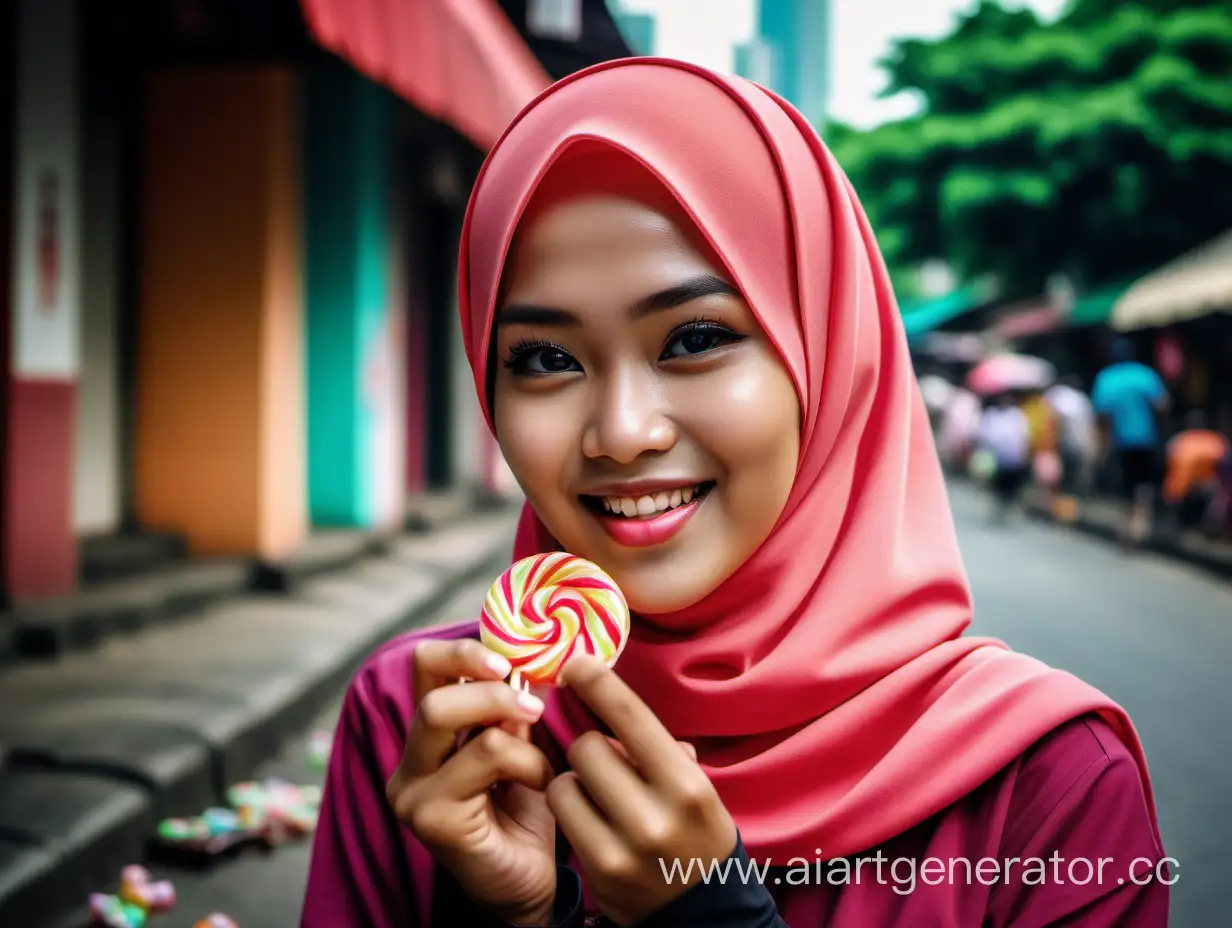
536	358
697	338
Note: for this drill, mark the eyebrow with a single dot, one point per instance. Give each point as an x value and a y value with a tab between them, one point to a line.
687	291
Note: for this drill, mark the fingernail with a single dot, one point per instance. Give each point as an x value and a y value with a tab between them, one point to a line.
530	703
497	664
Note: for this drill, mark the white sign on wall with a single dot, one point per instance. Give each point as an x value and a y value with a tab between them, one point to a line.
46	267
555	19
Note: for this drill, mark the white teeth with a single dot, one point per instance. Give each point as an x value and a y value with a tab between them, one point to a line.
651	503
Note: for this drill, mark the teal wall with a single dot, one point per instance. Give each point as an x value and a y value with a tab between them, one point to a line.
346	254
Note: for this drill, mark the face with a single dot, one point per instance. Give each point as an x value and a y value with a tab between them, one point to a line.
645	414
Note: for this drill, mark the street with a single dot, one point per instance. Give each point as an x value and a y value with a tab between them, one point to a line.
1155	636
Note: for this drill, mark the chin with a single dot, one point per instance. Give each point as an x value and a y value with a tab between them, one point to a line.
672	584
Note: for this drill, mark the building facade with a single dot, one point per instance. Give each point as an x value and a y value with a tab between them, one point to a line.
790	53
228	261
638	29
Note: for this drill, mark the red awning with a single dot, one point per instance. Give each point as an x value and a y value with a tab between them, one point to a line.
1031	317
459	61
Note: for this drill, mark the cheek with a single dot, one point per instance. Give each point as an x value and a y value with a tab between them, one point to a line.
538	437
751	422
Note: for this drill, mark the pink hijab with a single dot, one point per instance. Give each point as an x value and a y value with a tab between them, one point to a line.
827	685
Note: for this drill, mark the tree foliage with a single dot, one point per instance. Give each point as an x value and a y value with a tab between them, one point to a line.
1099	145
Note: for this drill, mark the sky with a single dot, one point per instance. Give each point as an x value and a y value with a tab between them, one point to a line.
704	32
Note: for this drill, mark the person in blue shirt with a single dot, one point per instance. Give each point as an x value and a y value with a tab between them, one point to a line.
1131	399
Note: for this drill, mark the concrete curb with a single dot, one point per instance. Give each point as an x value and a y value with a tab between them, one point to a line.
54	851
1218	567
1217	564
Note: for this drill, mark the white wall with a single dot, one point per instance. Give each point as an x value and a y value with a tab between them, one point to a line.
98	461
46	284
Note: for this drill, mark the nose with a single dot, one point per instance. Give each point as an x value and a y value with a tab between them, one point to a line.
628	419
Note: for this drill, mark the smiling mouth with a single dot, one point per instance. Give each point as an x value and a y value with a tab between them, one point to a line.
649	506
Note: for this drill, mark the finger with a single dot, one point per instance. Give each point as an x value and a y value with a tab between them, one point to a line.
651	747
596	843
446	711
435	663
611	782
492	757
685	746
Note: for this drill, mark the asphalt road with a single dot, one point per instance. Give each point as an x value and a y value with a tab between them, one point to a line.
1155	636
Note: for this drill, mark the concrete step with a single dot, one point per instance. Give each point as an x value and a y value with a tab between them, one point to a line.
123	555
98	746
96	611
323	551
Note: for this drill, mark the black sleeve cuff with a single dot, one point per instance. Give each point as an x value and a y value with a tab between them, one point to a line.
452	906
567	909
736	900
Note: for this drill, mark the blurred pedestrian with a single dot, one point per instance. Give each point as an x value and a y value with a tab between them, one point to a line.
1131	400
1192	477
1042	438
745	454
1077	441
959	424
1005	435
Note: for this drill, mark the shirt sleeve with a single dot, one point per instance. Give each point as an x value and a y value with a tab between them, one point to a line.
360	875
721	903
1086	851
1099	399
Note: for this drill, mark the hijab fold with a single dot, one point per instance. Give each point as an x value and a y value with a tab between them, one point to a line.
828	684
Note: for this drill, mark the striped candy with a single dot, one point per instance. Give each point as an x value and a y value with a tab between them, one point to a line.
547	608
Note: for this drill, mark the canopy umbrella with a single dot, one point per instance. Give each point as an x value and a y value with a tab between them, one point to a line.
1010	372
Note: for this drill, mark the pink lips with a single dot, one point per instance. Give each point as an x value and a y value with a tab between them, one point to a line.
643	533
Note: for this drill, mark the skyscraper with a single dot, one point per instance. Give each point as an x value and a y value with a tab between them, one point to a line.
637	28
790	53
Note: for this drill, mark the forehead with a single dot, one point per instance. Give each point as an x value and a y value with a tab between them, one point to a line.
600	238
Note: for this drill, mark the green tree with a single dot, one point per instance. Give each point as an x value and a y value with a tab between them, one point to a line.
1099	145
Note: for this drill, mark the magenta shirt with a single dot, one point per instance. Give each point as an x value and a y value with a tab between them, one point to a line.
1073	800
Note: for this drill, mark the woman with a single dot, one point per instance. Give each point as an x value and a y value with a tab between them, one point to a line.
1005	435
671	300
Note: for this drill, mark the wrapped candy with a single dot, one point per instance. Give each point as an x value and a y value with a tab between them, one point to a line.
140	897
215	831
319	747
217	920
549	607
138	887
278	809
114	912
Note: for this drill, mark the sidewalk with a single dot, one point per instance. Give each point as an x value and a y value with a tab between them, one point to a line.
98	746
1101	518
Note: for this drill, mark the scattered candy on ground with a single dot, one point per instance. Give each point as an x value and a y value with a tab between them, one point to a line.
546	608
140	897
270	811
217	920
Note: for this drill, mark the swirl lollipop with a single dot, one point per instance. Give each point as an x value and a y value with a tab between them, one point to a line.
547	608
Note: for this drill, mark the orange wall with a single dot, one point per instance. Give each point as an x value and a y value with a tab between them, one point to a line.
219	397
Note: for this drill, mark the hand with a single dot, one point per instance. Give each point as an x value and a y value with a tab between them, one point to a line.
632	808
480	809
